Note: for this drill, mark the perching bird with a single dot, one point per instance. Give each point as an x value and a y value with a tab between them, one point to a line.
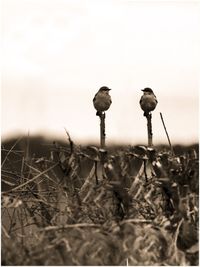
148	101
102	100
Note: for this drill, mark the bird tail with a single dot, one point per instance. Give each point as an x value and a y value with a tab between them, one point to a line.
146	113
98	113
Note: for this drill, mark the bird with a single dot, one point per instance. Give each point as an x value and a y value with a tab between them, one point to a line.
102	100
148	101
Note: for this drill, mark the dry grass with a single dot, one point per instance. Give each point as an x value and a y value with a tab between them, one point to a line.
85	206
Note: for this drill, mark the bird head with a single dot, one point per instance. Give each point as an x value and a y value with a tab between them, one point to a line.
104	88
147	90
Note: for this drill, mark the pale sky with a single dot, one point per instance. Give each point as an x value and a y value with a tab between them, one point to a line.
58	53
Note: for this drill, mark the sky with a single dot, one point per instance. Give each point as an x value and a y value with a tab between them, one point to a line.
58	53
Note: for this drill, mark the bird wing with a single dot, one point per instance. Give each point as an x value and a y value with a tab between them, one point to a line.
94	97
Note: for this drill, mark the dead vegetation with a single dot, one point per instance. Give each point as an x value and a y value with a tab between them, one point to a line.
90	206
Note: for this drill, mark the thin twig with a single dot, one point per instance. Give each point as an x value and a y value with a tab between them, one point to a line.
18	140
20	219
136	179
22	167
96	175
31	167
27	156
136	221
176	235
145	170
67	226
87	182
171	148
70	142
17	152
33	179
11	217
4	231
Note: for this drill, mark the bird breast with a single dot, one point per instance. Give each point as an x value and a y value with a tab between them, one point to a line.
102	101
148	102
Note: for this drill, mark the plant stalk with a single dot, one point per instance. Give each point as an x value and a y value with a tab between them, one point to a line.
149	130
102	129
170	145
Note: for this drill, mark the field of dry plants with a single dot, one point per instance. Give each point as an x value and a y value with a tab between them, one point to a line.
78	205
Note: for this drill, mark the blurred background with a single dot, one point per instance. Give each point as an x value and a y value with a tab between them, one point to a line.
58	53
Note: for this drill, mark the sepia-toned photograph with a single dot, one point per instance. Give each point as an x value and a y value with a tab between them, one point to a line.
100	133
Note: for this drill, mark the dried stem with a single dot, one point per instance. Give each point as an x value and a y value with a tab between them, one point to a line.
33	179
135	221
149	130
85	187
176	235
102	129
96	175
4	231
145	170
171	148
67	226
18	140
70	142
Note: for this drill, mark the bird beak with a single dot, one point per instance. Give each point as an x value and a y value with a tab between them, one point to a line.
109	89
142	89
